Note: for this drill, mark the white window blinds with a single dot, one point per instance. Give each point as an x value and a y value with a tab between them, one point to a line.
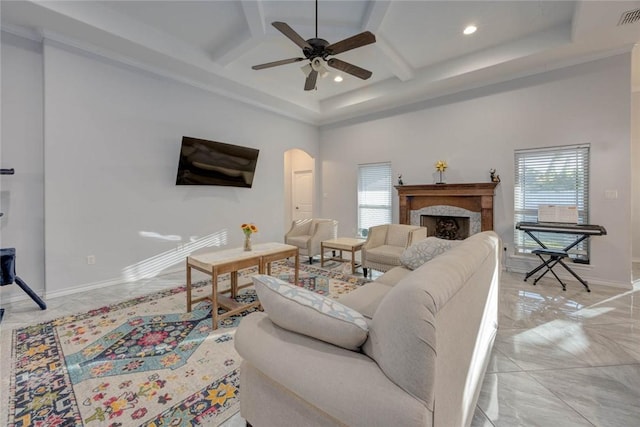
374	196
551	176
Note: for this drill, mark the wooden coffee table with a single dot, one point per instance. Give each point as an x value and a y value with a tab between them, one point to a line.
231	261
350	244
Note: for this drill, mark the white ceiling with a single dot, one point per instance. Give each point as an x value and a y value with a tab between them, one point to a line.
420	52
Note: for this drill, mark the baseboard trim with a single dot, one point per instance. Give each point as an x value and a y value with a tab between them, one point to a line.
523	264
102	284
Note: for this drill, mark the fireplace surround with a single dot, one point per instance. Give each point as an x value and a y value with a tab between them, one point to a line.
471	200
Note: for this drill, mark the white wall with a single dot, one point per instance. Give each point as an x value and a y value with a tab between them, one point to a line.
635	153
479	129
22	194
112	136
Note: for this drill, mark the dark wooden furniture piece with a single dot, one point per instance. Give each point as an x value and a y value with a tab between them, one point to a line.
8	267
475	197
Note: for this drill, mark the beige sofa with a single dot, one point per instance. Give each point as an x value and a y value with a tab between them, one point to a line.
430	334
385	243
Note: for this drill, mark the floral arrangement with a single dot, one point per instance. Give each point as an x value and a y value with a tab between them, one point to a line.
441	165
249	229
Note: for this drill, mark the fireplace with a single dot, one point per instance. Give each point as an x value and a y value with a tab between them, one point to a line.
443	208
446	227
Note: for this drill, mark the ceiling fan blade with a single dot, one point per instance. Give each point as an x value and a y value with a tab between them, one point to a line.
310	83
291	34
276	63
352	42
349	68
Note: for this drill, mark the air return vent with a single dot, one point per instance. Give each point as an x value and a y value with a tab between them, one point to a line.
630	17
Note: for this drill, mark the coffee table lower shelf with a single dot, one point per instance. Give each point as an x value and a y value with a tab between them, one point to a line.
231	261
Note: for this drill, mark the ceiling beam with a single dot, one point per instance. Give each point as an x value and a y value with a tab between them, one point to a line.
374	15
372	21
256	29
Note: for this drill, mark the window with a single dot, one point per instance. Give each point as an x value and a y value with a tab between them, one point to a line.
374	196
551	176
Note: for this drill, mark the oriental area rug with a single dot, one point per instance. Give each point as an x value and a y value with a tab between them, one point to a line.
142	362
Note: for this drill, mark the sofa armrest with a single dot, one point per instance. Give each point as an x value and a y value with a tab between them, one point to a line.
323	376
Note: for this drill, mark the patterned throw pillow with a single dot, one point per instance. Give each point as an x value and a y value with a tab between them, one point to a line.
425	250
305	312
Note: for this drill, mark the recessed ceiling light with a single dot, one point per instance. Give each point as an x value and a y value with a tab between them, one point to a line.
337	79
470	30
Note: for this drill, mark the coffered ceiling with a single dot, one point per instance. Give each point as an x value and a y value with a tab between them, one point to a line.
420	52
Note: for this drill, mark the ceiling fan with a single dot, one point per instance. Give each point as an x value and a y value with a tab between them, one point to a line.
317	51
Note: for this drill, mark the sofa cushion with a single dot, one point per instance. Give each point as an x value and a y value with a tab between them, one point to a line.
425	250
305	312
366	298
393	276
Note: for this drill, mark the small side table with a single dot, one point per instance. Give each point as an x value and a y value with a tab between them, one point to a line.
350	244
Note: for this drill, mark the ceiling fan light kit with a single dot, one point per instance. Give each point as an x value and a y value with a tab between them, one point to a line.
317	51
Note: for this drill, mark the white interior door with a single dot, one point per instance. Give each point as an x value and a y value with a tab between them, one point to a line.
302	194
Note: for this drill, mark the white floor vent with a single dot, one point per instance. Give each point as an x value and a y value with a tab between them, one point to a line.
630	17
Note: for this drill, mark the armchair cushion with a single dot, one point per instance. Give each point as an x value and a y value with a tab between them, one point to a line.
398	235
385	254
425	250
300	310
299	241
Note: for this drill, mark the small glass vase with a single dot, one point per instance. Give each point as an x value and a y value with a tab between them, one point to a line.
441	181
247	242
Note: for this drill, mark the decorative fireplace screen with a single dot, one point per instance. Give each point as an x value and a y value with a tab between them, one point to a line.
446	227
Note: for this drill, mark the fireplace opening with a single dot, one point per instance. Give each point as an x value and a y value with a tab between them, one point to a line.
446	227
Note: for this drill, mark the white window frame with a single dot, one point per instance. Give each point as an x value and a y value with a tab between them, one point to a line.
551	176
374	196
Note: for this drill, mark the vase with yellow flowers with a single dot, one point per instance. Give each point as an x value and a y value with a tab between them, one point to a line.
441	166
248	230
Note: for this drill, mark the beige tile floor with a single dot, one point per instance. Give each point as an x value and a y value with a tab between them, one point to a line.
561	358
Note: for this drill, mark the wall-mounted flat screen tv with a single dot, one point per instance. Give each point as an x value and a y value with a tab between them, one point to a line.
204	162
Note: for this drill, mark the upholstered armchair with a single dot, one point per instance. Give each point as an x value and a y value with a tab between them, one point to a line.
385	243
307	234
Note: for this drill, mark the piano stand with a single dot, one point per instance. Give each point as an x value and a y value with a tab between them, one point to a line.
555	257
